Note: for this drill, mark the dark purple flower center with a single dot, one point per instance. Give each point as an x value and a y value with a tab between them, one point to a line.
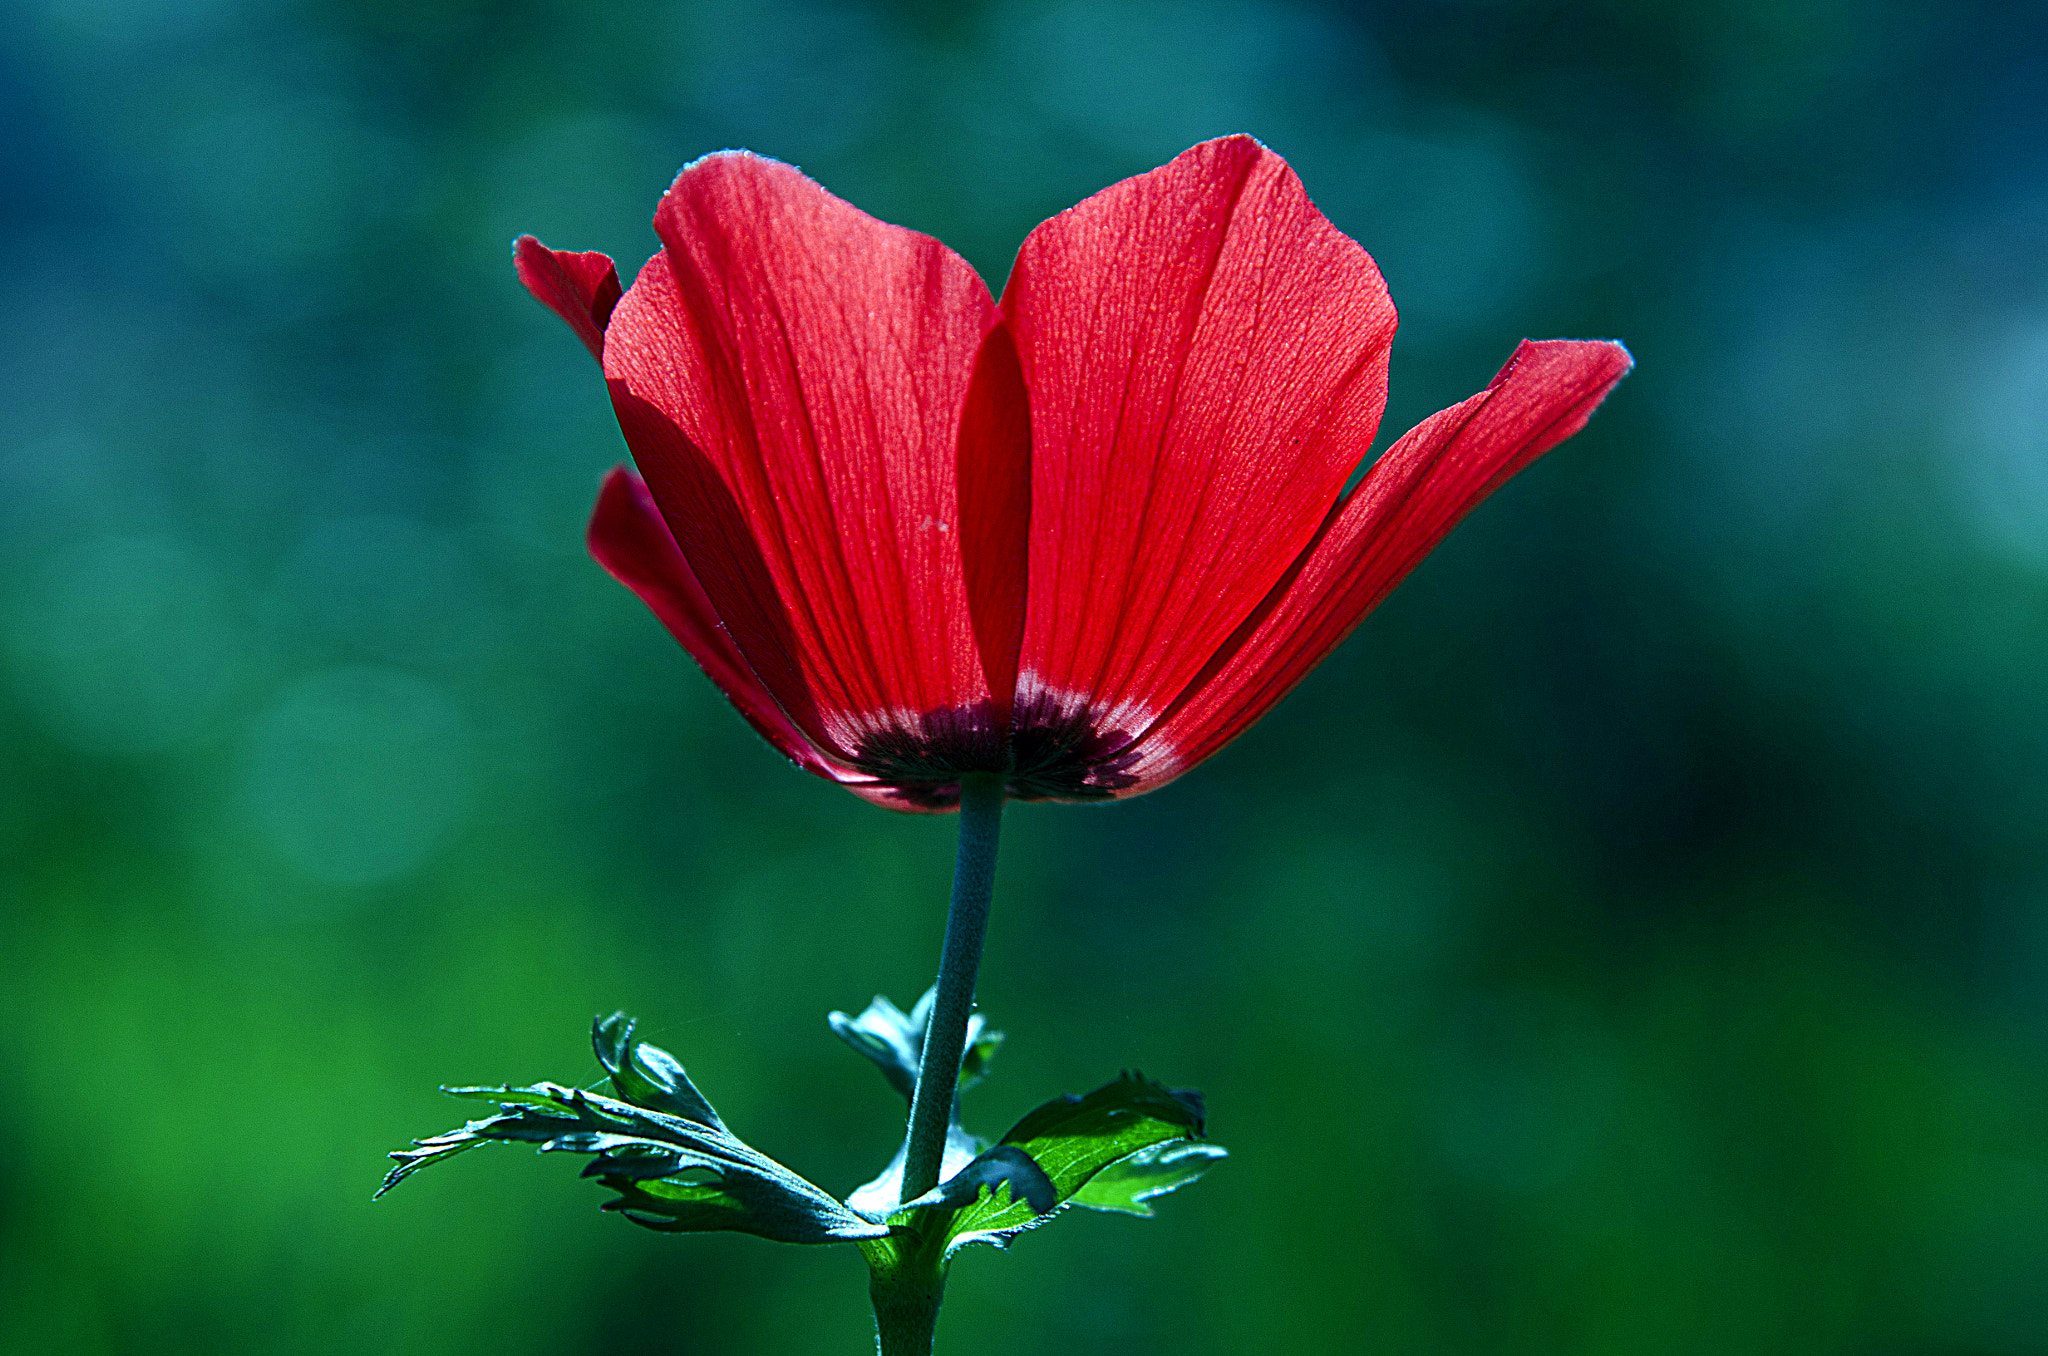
1053	755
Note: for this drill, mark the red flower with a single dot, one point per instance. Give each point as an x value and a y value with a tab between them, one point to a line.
1085	536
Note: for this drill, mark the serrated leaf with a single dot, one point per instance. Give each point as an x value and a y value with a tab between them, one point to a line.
635	1165
894	1040
878	1199
1072	1140
1127	1185
647	1075
743	1203
1005	1166
883	1033
982	1045
671	1171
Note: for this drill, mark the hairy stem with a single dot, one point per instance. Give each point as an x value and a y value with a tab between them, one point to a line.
945	1041
908	1269
906	1310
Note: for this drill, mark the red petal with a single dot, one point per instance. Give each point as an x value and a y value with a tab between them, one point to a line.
995	512
580	287
1436	474
1206	356
628	537
790	373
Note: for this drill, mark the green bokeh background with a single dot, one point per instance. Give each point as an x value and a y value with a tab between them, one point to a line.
1635	940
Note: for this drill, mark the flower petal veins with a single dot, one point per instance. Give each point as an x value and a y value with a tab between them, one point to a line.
790	374
1410	499
631	540
628	537
994	469
1206	357
1085	538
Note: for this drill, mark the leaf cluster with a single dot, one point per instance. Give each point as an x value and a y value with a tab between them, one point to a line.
1114	1149
656	1142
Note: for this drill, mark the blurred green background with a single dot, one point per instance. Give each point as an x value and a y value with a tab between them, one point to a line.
1635	940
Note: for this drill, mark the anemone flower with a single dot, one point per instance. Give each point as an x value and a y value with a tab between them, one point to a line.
949	551
1082	537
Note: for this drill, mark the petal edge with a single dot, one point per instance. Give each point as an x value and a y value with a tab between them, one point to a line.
1206	356
628	536
1411	498
789	372
994	472
582	287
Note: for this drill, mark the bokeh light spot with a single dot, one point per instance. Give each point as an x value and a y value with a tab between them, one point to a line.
356	775
389	588
2002	466
124	644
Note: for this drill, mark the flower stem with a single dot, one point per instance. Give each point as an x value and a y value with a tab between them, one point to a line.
906	1304
945	1041
908	1268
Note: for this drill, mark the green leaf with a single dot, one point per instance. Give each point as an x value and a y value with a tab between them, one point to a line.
883	1033
878	1199
1071	1140
673	1170
982	1046
894	1040
1126	1185
646	1075
1005	1165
